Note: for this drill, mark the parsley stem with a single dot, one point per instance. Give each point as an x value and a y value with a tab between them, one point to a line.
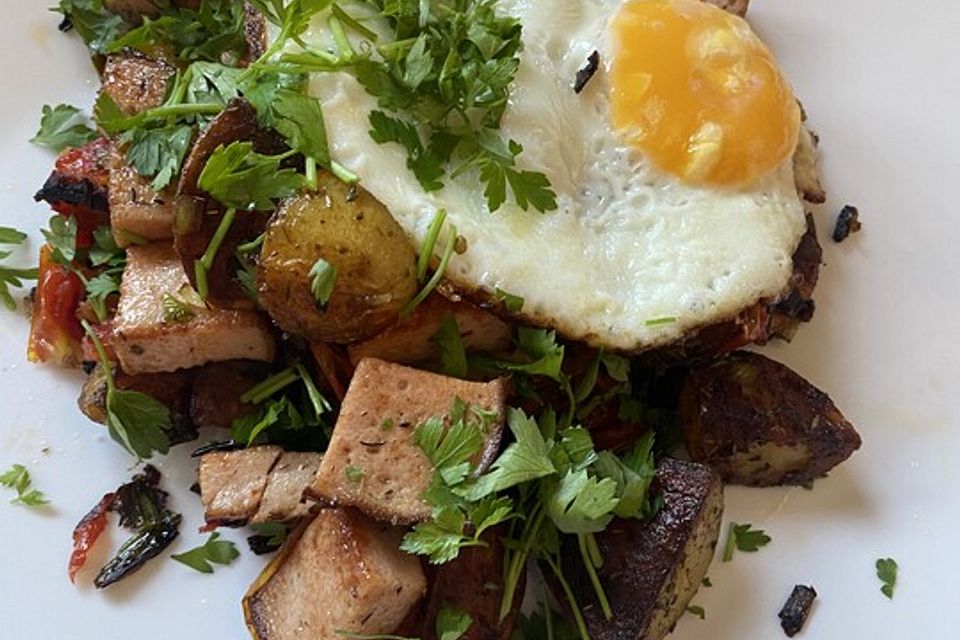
310	173
320	404
253	245
205	263
102	355
518	561
353	23
263	390
340	38
436	277
343	174
429	242
729	547
571	599
592	572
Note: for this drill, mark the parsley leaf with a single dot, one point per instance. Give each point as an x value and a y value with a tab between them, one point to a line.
176	310
887	573
97	27
353	474
60	128
742	537
323	277
697	610
453	354
212	551
18	479
62	238
511	303
581	503
136	421
12	276
452	623
158	153
240	178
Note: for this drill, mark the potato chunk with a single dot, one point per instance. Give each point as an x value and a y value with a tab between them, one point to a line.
146	341
651	570
353	232
344	572
759	423
372	462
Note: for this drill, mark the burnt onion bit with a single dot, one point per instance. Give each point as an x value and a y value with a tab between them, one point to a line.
142	507
587	72
848	221
795	611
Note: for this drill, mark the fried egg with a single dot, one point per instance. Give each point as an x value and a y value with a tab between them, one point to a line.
677	207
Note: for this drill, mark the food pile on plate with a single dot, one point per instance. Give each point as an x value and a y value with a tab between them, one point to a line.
454	290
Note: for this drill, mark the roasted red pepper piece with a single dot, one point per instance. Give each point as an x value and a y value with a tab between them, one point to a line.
55	331
78	188
86	533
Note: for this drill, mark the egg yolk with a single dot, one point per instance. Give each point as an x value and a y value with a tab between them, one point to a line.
698	92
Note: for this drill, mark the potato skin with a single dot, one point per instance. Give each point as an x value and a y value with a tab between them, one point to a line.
758	423
375	263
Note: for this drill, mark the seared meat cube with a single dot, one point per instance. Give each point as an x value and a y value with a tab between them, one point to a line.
217	388
343	573
651	570
137	211
257	484
232	483
372	462
146	340
411	340
135	82
283	498
758	423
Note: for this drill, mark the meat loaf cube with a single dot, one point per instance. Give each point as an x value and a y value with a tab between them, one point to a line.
138	212
232	483
135	82
283	498
651	570
344	573
145	341
412	340
372	462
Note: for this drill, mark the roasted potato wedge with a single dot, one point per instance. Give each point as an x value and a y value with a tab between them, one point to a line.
652	569
758	423
473	583
375	263
343	572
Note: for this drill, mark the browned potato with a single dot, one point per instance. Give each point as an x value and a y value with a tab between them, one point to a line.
375	263
758	423
652	569
473	583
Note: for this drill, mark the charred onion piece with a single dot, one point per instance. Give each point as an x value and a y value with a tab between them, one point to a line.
847	222
796	609
135	552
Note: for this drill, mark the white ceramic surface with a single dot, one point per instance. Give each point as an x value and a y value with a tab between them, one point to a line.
880	82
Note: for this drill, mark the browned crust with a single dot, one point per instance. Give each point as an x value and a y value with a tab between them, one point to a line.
757	422
135	82
648	567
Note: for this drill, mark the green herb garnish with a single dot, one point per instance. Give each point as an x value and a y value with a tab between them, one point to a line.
323	277
61	127
887	573
215	551
741	537
18	479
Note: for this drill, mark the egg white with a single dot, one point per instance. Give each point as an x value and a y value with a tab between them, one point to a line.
628	244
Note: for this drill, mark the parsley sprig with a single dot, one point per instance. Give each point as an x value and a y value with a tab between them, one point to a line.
215	551
136	421
743	537
442	84
887	573
12	276
18	479
61	127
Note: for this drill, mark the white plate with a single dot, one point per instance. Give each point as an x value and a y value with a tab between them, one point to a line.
880	82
